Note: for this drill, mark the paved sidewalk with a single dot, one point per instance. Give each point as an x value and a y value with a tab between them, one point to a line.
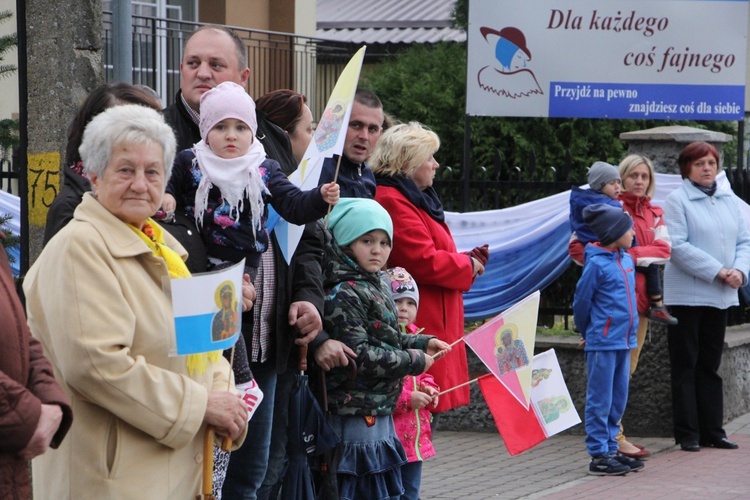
473	465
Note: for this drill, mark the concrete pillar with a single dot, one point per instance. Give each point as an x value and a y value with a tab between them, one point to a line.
64	63
662	145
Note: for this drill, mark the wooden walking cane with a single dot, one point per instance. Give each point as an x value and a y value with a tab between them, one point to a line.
207	485
226	443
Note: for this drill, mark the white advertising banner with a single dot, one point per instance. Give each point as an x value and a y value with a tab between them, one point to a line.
620	59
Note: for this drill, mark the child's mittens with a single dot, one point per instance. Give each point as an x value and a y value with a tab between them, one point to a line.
251	395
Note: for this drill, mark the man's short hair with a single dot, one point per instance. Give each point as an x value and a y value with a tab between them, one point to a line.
368	98
239	45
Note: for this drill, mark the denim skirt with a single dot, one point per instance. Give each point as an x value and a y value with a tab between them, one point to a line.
368	459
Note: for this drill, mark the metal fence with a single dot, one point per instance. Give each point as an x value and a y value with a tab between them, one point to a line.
276	60
8	177
501	185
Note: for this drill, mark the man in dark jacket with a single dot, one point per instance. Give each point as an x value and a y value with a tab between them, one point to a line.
34	411
290	297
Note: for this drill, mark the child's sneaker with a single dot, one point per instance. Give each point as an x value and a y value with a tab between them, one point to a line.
660	314
251	395
607	466
635	465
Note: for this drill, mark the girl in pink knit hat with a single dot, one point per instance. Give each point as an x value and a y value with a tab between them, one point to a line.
226	183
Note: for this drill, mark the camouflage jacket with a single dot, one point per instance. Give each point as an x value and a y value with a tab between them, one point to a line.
360	312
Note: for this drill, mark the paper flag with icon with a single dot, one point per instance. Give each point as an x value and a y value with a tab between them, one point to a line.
549	395
551	410
207	310
505	344
328	140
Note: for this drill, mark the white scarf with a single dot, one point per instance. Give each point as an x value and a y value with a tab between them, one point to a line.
237	179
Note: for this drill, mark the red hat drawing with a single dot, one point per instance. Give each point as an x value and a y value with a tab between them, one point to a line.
513	35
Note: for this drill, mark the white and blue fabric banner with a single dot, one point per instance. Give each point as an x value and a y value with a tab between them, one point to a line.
207	310
11	205
529	246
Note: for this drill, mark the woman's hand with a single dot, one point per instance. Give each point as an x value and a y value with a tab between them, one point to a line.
248	293
227	413
168	203
478	267
332	353
437	348
46	427
731	277
330	193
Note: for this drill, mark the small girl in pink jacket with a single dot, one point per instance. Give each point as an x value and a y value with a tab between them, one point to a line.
420	392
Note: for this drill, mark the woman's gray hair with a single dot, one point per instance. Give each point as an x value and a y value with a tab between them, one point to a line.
125	124
402	149
630	162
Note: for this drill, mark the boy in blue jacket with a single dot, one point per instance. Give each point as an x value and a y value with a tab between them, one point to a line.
605	312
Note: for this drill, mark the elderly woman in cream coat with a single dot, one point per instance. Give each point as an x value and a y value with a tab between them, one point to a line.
95	300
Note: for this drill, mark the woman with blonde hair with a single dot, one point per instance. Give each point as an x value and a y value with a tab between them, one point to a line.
404	166
652	250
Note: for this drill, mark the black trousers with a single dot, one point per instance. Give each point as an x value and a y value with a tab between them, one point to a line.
695	348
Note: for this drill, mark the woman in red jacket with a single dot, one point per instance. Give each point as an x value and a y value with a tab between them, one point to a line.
404	167
654	248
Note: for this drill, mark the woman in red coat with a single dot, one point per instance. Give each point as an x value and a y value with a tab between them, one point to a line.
34	412
404	167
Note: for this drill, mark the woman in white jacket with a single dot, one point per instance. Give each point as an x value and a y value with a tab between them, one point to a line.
710	261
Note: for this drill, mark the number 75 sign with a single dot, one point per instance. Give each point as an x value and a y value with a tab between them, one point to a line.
44	184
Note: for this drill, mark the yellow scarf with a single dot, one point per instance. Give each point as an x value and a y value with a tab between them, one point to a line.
153	235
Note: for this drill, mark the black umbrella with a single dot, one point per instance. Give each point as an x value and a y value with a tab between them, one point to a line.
310	434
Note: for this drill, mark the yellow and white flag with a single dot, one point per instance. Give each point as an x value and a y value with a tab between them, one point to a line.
327	141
